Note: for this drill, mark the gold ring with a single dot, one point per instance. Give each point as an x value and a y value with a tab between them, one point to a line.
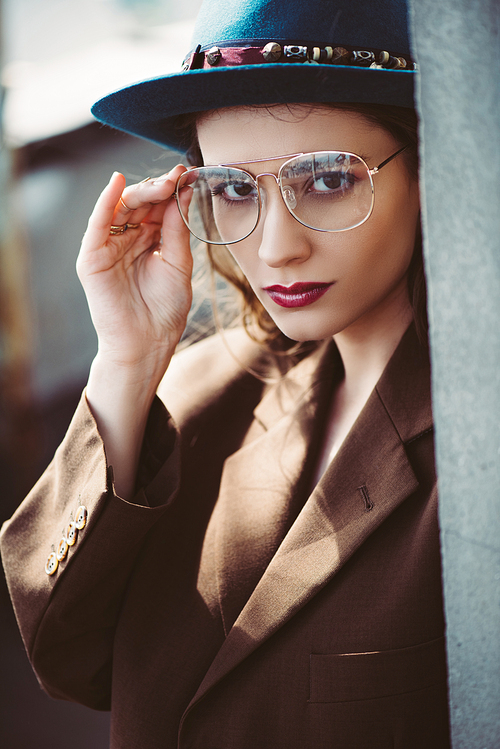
122	229
125	205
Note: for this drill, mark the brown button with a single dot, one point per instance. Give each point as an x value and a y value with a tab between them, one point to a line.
62	549
51	564
81	517
71	533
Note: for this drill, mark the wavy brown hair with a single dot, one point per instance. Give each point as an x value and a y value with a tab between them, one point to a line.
402	124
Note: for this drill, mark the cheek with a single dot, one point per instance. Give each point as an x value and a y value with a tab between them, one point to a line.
389	238
246	258
373	259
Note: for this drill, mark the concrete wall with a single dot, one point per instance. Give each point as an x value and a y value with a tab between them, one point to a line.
457	45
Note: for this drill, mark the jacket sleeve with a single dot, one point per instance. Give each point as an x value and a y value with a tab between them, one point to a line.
69	550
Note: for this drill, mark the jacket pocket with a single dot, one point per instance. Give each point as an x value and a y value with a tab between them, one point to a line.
346	677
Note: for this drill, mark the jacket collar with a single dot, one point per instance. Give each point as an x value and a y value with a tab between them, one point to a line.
278	551
305	385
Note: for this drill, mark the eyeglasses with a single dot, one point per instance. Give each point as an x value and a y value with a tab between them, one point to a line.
329	191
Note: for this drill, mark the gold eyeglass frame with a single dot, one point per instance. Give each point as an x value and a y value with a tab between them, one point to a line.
278	177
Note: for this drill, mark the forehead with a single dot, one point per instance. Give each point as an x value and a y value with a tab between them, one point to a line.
249	134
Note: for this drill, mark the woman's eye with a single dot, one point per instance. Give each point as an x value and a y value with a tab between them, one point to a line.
234	191
331	182
242	190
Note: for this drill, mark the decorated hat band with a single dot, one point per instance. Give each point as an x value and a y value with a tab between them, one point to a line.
274	52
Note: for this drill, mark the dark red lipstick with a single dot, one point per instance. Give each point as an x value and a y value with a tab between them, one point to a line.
298	294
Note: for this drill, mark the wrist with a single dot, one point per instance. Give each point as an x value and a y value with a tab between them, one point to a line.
120	399
139	377
124	389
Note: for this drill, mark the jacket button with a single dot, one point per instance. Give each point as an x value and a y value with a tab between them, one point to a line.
51	564
62	549
71	533
81	517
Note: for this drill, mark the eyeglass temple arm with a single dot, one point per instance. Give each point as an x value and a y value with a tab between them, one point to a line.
379	167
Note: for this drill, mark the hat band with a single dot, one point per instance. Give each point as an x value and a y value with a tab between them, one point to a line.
274	52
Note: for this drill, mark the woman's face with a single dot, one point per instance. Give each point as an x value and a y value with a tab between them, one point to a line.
364	270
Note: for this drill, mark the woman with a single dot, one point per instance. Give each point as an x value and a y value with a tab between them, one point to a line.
258	565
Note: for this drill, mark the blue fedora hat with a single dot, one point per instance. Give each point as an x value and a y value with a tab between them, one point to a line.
248	52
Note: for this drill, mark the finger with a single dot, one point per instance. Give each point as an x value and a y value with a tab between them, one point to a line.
175	235
155	214
124	250
102	216
136	200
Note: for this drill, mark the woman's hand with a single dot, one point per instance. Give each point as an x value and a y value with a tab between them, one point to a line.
138	284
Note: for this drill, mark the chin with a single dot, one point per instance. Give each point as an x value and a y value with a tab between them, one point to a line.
298	328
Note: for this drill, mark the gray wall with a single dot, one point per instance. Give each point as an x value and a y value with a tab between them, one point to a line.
457	45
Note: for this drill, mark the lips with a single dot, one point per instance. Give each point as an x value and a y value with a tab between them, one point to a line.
298	294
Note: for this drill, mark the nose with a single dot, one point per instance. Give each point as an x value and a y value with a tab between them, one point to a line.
282	239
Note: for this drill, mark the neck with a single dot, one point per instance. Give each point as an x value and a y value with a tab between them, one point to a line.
367	346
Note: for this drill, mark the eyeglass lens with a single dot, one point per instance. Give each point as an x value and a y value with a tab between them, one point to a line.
326	191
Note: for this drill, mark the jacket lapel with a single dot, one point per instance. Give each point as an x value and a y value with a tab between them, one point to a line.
367	481
263	485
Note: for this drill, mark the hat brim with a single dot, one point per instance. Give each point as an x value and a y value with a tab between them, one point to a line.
149	109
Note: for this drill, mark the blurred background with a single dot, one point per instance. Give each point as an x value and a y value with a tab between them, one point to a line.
58	57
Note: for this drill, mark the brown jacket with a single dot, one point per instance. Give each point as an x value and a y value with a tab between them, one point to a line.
229	607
